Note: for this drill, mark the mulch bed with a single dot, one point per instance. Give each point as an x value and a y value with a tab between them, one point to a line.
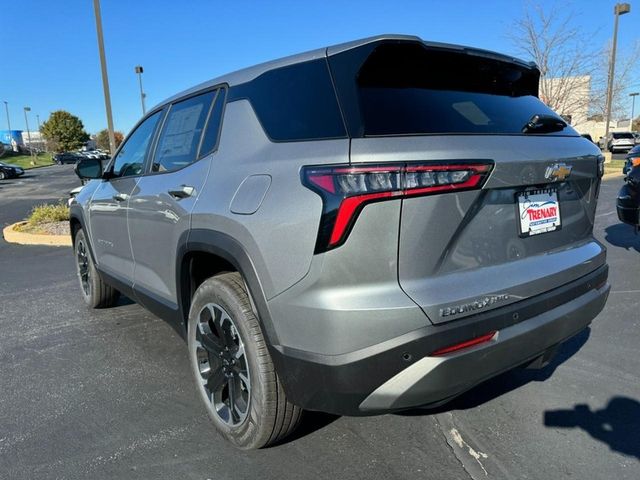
51	228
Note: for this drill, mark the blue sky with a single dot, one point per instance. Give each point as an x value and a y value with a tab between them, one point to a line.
51	61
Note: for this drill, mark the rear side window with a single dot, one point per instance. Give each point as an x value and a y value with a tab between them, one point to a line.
408	89
294	103
181	132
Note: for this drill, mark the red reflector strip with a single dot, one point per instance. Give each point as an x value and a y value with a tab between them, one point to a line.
463	345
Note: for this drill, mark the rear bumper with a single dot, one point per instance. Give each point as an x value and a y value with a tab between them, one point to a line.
399	373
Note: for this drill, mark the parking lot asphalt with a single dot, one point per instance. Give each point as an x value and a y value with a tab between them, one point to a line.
108	393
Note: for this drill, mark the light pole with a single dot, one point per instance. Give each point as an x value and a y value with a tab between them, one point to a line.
105	78
6	106
28	109
11	142
619	9
633	104
139	70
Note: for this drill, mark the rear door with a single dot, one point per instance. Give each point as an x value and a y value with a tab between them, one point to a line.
110	203
160	207
528	228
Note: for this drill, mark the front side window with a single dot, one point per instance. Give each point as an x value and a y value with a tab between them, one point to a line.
130	159
180	136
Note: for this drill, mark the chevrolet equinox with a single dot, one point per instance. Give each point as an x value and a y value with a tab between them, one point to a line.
359	229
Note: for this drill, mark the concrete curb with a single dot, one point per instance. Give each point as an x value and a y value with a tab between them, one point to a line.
39	166
22	238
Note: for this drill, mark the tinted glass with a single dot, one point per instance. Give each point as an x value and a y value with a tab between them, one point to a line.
295	103
212	130
415	111
130	158
623	135
181	132
408	89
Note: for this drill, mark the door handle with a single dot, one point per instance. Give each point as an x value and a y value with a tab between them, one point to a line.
121	197
183	192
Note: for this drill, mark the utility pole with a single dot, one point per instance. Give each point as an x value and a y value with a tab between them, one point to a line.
619	9
105	78
40	132
139	70
28	109
6	106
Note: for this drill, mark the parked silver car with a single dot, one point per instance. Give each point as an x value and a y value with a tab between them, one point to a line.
359	229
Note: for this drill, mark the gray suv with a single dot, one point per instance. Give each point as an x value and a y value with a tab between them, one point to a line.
359	229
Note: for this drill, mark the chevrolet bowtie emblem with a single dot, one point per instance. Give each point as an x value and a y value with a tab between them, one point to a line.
557	172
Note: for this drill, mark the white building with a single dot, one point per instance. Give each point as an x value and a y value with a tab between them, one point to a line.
568	96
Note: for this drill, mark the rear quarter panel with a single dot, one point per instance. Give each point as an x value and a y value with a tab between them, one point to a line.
280	236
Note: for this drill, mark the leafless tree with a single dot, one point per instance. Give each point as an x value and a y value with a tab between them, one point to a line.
626	68
573	70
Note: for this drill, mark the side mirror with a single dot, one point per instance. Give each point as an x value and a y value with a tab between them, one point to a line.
89	168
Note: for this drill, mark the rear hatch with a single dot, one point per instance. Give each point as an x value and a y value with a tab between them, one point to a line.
623	140
524	231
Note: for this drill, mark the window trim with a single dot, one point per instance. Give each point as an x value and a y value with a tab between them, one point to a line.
221	91
149	162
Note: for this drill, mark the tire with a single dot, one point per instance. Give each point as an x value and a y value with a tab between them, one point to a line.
3	175
221	317
95	292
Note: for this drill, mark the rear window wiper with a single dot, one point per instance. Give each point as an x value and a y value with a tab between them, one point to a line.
544	124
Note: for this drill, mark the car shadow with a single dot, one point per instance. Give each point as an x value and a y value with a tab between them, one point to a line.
123	301
622	235
508	381
617	425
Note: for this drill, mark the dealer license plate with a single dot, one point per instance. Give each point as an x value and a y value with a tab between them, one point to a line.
539	211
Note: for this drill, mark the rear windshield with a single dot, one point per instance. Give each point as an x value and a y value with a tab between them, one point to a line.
407	89
623	135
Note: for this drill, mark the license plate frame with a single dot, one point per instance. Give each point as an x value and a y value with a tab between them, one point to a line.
538	211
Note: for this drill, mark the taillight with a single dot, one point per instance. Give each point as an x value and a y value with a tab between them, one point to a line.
345	189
